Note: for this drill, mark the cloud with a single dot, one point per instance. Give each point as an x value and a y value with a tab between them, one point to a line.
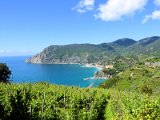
3	51
154	16
114	10
17	53
84	6
157	2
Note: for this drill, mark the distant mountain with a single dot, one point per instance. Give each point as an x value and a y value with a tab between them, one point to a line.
124	42
149	40
90	53
74	53
150	45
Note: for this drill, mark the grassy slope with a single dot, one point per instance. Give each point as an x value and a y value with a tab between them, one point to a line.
140	78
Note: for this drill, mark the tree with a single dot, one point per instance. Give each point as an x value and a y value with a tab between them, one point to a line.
110	71
4	73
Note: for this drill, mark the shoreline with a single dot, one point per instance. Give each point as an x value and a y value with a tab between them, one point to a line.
98	67
87	65
95	78
53	63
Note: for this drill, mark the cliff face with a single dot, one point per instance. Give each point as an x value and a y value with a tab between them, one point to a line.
40	59
36	59
75	53
60	55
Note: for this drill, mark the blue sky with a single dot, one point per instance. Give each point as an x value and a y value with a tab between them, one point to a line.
28	26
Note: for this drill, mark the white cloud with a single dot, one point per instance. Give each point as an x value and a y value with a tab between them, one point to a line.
114	10
84	6
17	53
154	16
3	51
157	2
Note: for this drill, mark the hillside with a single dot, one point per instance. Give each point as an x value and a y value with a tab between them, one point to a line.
75	53
101	53
124	42
148	46
81	53
141	78
132	92
46	101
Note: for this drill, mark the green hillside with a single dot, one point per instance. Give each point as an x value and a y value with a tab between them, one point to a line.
138	78
131	93
46	101
101	53
146	46
81	53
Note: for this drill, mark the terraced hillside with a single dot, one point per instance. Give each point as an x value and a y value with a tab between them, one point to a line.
46	101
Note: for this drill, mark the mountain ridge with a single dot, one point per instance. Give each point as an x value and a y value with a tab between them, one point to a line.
95	53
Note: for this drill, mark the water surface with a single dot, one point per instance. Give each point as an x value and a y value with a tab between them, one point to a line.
70	75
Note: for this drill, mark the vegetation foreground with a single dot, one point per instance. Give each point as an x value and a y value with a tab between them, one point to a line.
132	93
46	101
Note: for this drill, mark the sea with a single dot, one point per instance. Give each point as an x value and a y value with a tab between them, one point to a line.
59	74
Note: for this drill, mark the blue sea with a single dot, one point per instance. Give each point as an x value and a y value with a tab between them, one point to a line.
69	75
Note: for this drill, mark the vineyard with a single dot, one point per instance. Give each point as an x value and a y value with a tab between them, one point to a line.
52	102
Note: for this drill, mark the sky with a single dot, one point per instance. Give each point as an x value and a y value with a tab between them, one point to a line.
28	26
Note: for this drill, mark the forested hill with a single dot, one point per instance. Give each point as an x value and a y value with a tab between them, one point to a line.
90	53
146	46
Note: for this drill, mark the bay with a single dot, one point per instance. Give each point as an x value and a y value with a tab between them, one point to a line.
61	74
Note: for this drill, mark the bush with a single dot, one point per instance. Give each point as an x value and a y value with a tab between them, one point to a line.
146	89
4	73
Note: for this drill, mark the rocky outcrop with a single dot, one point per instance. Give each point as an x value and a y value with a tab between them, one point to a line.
35	59
57	55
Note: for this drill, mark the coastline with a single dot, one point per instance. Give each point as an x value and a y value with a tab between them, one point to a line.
85	65
95	78
98	67
52	63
